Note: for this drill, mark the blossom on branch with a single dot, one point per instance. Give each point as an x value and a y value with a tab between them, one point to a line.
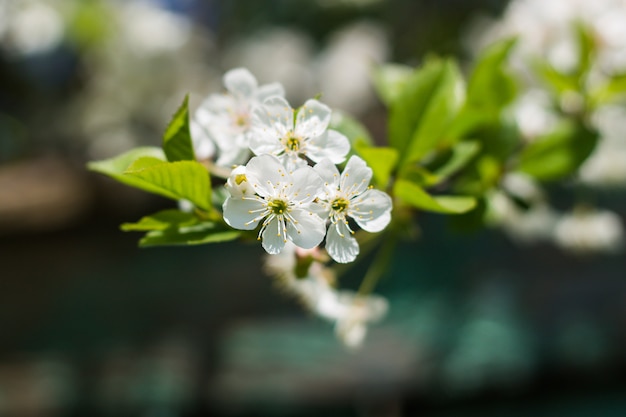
292	135
223	120
349	196
281	203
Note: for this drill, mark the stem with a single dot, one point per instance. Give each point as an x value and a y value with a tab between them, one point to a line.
378	266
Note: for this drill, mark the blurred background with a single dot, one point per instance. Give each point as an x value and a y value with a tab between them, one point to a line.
92	325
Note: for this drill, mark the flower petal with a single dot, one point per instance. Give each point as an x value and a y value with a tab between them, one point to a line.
371	210
340	244
356	176
273	238
313	119
240	82
330	144
309	229
265	173
240	212
269	90
307	185
329	174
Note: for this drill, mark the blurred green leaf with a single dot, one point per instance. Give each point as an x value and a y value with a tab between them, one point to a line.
456	159
390	80
559	153
417	197
177	137
490	86
424	109
556	80
586	49
614	89
162	220
187	180
382	160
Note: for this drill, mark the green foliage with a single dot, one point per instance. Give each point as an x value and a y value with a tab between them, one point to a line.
177	137
559	153
390	80
382	160
117	166
422	112
174	227
490	86
415	196
454	160
187	180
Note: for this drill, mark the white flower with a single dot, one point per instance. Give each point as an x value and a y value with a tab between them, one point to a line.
351	313
349	195
282	204
586	231
289	136
223	120
237	184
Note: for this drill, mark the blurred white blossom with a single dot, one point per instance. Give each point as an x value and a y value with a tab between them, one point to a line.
30	27
344	66
586	230
529	223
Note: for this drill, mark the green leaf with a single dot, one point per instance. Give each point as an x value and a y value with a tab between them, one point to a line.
556	80
177	137
187	180
350	128
175	227
559	153
490	86
115	167
382	160
415	196
163	220
389	81
614	89
204	233
456	159
586	48
424	109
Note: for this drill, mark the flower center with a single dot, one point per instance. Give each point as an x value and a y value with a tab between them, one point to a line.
241	120
277	206
239	178
339	204
292	143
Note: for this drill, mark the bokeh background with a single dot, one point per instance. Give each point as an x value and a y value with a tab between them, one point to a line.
91	325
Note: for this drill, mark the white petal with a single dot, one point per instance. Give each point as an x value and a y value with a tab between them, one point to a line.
356	176
269	90
313	119
240	82
265	172
343	248
309	230
243	188
351	333
275	112
329	174
273	238
371	210
330	144
307	185
202	144
240	213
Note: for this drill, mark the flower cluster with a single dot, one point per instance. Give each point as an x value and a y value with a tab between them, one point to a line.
285	183
291	189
